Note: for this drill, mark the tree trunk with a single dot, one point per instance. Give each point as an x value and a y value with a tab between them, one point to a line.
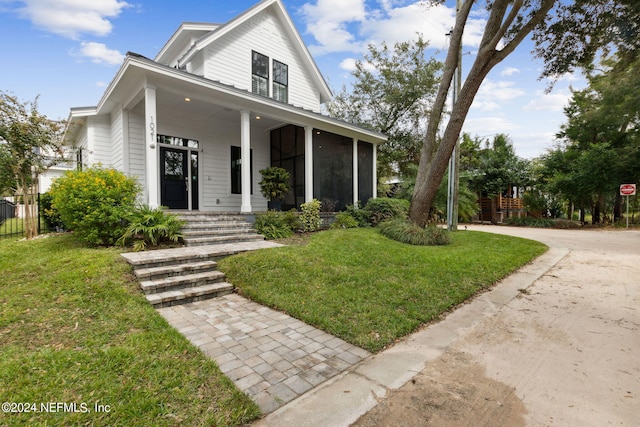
435	155
494	210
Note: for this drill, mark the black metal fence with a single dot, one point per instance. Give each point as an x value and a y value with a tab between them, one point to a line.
12	214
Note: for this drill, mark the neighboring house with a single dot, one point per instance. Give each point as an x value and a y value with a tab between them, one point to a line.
216	105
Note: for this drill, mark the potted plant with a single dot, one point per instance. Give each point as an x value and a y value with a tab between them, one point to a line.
274	185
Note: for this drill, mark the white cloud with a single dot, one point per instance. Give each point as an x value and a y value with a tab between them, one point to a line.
548	101
492	94
71	18
489	125
350	25
100	53
348	64
328	20
509	71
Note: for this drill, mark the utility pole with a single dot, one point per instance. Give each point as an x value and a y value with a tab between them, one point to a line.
454	160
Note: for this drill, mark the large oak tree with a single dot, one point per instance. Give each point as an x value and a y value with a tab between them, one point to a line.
567	34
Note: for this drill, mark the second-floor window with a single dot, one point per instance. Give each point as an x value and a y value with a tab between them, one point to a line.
261	80
280	81
259	74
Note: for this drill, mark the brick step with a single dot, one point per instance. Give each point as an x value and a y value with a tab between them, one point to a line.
161	272
186	295
194	228
218	232
181	282
216	240
204	216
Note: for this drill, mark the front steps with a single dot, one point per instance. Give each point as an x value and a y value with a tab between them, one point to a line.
210	228
181	275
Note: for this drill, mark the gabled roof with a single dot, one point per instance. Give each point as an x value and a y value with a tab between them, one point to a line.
137	68
183	38
292	32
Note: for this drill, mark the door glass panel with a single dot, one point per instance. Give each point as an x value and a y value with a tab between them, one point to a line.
174	166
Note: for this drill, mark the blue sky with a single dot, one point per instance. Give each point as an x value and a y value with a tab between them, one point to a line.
67	51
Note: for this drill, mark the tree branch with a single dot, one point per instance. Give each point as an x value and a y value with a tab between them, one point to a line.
536	19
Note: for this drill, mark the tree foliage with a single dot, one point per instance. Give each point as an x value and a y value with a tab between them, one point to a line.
567	34
392	92
30	143
600	146
498	167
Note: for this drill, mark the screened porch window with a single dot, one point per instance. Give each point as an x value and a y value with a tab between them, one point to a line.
259	73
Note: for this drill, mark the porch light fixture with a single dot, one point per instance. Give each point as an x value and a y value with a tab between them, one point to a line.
187	100
258	117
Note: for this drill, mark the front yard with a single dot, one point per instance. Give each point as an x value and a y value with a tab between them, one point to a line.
77	331
369	290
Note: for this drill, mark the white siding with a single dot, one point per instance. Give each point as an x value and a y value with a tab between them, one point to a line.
117	141
228	59
216	138
136	147
99	140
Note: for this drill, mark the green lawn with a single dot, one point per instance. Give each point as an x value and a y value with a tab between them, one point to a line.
74	328
369	290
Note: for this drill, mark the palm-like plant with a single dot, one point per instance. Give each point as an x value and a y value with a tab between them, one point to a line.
149	226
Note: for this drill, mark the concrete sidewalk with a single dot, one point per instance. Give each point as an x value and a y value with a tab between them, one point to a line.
341	400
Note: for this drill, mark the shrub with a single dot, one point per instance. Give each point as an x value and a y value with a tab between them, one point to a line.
405	231
359	214
384	209
292	219
95	203
51	216
530	221
344	220
310	216
275	224
150	227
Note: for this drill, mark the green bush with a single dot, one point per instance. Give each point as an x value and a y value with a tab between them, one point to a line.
51	216
344	220
95	203
530	221
275	224
542	222
405	231
361	215
310	215
151	227
384	209
292	219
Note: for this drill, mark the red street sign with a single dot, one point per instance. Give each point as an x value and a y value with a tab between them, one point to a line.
628	190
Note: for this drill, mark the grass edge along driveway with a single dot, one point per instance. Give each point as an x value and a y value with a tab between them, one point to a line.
370	290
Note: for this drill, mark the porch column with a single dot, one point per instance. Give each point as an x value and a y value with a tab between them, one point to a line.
308	163
355	172
152	173
375	171
245	165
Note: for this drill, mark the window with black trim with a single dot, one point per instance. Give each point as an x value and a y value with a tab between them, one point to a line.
259	73
280	81
236	170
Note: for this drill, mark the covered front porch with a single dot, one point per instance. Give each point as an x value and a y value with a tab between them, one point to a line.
196	144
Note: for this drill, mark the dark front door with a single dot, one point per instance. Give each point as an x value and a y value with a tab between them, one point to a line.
174	178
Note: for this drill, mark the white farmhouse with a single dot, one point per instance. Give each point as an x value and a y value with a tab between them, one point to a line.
216	105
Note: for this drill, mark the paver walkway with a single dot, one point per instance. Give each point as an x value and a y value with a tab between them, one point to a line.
271	356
